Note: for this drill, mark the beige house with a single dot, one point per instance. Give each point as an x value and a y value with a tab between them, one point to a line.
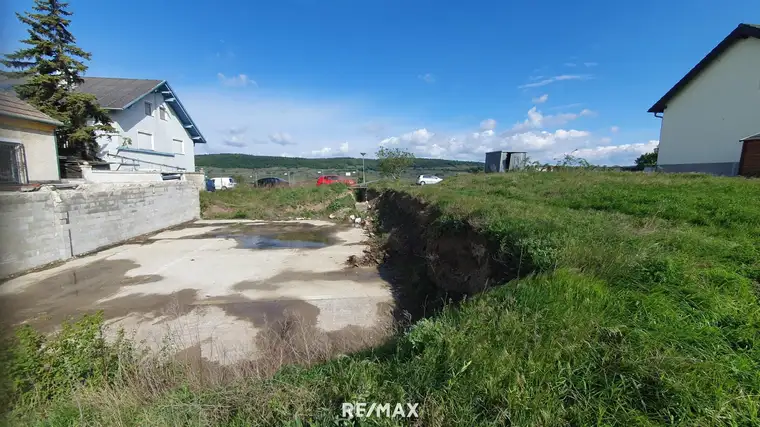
28	150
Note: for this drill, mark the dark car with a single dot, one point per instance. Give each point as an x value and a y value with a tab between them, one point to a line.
272	182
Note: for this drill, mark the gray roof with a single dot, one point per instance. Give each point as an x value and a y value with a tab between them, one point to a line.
117	94
12	106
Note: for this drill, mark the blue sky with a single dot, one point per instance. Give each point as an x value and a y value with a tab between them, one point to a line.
443	79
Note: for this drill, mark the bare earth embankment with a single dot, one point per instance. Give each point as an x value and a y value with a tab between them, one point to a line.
568	298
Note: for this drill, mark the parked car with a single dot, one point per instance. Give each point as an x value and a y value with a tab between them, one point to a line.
210	185
272	182
428	179
224	183
334	179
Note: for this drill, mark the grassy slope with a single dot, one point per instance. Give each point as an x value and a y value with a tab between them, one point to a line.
275	203
643	311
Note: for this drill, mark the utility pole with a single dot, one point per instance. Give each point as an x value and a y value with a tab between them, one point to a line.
364	176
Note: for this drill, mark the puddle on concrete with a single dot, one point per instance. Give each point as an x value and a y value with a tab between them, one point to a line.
265	242
275	236
50	301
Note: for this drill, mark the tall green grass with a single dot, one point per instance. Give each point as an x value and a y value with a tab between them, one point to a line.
247	202
641	310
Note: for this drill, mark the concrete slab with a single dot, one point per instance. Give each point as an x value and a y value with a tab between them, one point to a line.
213	284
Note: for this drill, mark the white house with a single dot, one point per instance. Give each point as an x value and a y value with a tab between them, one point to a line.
154	132
709	113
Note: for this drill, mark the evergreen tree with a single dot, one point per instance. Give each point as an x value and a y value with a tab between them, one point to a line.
51	67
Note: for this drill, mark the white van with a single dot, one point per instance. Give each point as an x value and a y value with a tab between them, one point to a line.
224	183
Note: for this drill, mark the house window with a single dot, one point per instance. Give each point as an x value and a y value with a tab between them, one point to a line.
148	109
162	113
144	141
179	146
12	163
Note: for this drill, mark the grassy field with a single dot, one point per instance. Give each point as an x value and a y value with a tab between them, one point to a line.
246	202
637	306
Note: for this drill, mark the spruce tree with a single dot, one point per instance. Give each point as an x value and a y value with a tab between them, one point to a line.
51	66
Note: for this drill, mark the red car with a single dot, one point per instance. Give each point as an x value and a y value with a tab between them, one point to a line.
334	179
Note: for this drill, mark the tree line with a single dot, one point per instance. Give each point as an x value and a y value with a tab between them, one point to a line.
247	161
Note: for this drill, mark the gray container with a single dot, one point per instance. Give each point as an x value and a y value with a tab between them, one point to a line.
496	161
502	161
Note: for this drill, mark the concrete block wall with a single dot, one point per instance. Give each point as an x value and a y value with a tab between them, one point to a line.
53	225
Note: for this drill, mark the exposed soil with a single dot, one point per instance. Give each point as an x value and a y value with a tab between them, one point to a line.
431	262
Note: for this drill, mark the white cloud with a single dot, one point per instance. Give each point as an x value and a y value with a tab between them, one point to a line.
542	141
537	120
541	99
553	79
324	152
606	152
419	136
264	123
545	146
427	78
241	80
415	137
614	129
389	141
255	122
488	124
570	64
235	137
590	64
281	138
565	106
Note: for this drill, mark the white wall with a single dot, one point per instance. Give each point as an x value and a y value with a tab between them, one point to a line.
132	121
39	147
704	122
53	225
104	176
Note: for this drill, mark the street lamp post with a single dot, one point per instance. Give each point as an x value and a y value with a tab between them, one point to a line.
364	177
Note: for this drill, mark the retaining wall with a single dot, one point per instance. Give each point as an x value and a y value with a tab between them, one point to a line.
52	225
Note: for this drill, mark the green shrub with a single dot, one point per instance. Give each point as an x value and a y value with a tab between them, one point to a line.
40	368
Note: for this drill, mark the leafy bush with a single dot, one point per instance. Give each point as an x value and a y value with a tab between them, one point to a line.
39	368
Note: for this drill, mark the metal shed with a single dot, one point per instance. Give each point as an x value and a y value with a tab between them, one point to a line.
502	161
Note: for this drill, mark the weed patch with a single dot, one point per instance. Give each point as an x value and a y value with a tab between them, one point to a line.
275	203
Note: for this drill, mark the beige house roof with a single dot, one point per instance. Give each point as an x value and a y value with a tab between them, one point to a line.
12	106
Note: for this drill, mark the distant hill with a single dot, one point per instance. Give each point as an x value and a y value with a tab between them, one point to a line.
247	161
